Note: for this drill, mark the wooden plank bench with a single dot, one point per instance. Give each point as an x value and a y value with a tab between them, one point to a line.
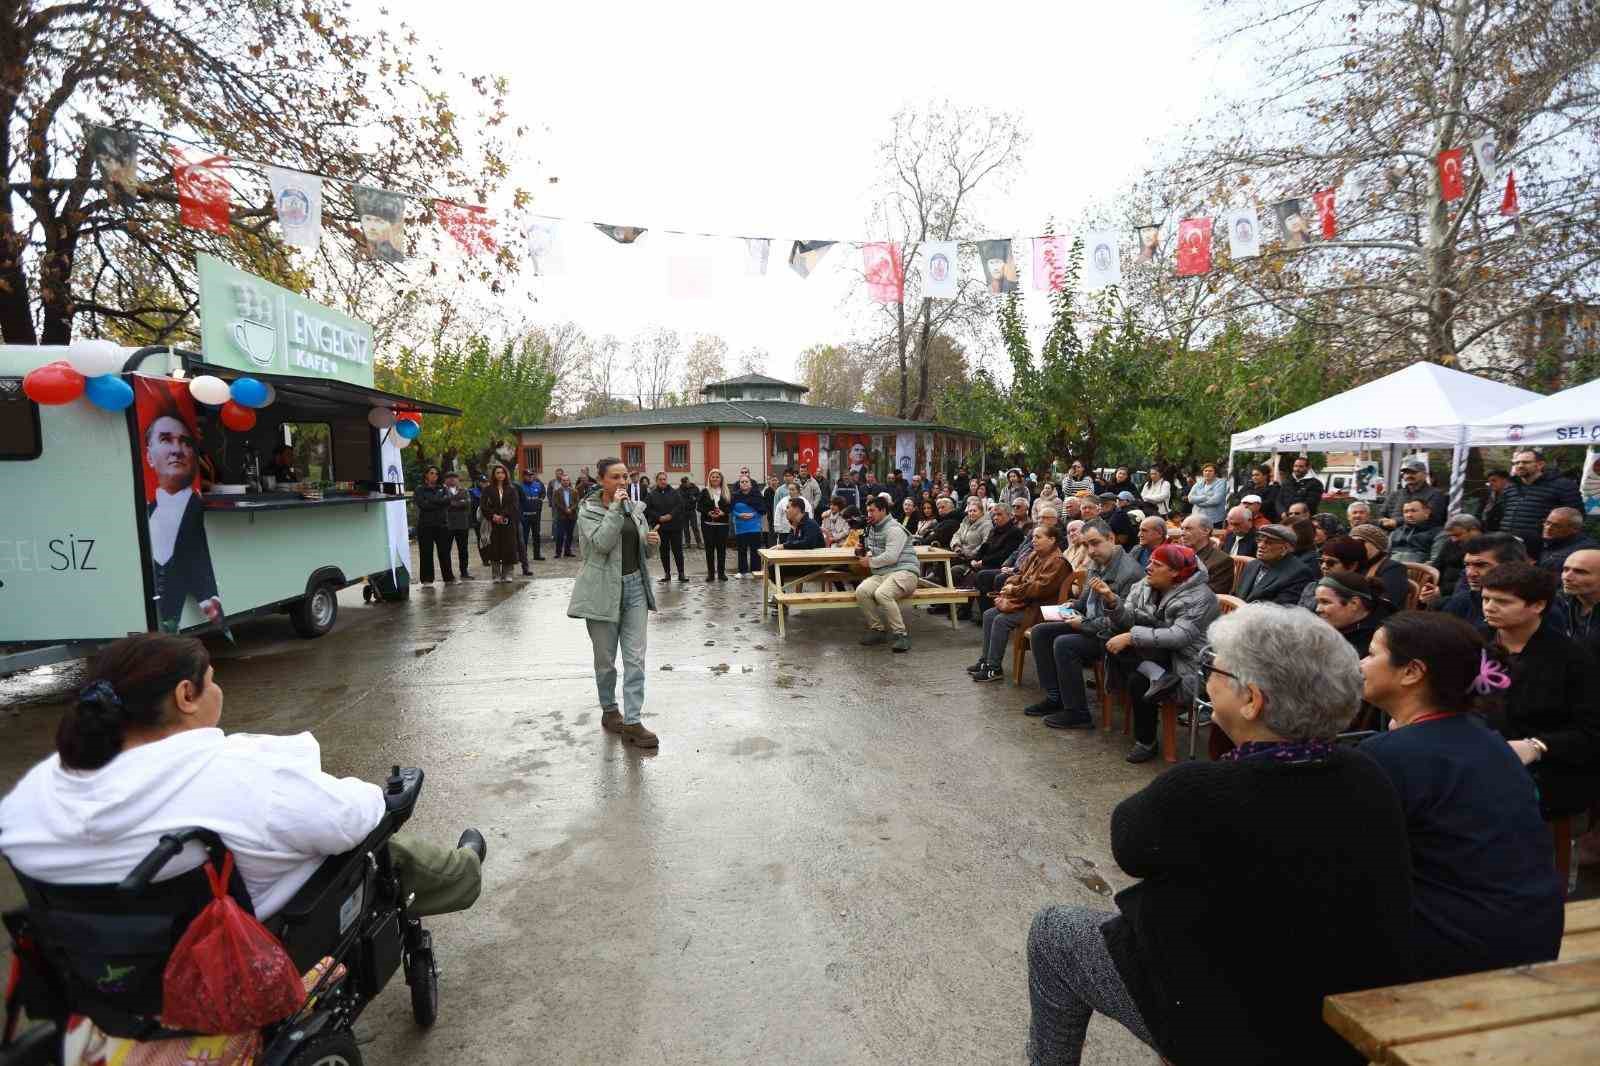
1548	1013
926	595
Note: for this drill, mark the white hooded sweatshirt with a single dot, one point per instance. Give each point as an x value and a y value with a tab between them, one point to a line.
266	796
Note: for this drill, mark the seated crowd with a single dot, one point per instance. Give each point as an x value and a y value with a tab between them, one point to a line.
1402	699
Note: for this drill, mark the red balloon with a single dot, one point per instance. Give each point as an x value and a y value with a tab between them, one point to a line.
408	416
238	417
53	383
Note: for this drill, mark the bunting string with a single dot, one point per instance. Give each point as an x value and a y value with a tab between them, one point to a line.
205	192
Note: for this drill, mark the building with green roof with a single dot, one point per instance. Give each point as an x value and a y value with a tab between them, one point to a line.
751	421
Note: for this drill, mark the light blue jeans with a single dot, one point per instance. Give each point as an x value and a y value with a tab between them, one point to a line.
629	631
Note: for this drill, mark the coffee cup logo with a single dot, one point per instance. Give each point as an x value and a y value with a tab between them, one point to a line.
257	340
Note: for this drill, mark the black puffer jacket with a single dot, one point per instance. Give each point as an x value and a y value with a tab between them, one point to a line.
1528	505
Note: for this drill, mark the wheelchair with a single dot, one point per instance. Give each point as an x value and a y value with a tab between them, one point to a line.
100	950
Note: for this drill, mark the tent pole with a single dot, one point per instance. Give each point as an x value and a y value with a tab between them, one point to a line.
1458	471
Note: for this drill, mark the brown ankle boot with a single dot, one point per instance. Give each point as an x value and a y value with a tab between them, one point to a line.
611	720
636	734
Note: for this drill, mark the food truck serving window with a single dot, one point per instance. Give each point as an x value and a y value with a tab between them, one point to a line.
313	453
19	423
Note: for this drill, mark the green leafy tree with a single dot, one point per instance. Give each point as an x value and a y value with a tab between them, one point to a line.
497	388
1080	394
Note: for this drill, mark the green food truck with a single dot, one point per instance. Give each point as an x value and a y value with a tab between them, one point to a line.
183	509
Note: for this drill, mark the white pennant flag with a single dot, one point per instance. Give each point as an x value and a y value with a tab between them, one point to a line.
940	269
1244	233
757	251
298	200
1102	260
1487	153
544	249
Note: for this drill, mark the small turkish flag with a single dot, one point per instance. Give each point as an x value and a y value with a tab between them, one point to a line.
1194	247
468	224
203	190
1508	203
1326	213
1450	183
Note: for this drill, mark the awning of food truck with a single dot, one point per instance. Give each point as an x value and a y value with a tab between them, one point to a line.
316	390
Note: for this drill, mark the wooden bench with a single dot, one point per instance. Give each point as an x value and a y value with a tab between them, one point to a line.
823	601
1528	1015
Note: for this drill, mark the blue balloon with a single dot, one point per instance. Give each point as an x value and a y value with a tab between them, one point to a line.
108	391
408	430
248	392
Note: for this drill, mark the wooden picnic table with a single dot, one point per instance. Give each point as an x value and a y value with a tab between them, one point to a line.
835	565
1543	1015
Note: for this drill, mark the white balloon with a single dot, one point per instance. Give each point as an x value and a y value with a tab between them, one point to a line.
209	390
272	396
401	442
92	358
381	417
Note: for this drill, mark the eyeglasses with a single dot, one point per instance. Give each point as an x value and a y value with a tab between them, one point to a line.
1208	666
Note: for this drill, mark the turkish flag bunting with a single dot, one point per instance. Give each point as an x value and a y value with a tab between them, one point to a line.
1450	183
204	194
808	452
470	225
1326	213
886	274
1508	203
1194	247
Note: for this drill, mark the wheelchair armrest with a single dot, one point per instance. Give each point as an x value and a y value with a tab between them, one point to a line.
37	1046
171	844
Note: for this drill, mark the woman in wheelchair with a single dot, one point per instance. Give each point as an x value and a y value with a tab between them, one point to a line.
141	757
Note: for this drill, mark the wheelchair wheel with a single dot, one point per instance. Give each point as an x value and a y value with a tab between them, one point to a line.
423	977
328	1049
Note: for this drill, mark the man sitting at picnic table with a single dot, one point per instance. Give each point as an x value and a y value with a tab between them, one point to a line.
889	553
804	532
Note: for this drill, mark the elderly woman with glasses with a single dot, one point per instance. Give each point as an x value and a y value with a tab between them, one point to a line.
1269	880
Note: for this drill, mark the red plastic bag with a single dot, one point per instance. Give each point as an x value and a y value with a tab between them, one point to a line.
228	974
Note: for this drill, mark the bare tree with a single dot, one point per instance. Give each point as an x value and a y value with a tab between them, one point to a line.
295	83
1362	96
705	363
836	374
936	162
653	361
754	361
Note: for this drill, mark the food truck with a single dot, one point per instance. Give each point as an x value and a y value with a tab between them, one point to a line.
182	512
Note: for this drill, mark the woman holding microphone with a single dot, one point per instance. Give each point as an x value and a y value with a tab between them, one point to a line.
613	597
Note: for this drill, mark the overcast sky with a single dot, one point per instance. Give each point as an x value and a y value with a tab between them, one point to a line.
765	121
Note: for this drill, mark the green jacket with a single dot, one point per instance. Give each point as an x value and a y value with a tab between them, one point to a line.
597	594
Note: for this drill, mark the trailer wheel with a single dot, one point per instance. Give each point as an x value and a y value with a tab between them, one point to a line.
317	611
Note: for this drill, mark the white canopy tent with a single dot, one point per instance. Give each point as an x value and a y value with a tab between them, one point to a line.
1424	404
1568	417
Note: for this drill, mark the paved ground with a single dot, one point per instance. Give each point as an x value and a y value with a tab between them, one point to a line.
833	858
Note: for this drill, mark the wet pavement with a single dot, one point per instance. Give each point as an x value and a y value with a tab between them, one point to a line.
834	856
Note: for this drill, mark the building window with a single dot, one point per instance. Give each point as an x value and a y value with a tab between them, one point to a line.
633	456
533	459
677	456
20	437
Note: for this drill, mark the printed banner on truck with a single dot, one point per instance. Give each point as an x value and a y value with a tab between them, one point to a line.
180	556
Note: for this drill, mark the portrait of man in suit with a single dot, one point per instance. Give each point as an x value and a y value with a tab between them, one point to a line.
179	553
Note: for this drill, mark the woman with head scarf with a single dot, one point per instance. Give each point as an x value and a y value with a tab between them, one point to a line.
1353	604
1163	622
1393	576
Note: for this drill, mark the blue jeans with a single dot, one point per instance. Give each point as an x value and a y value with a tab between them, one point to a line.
628	631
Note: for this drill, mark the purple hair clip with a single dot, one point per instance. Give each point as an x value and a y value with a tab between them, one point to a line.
1491	678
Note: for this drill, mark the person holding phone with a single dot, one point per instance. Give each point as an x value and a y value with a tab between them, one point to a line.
613	598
